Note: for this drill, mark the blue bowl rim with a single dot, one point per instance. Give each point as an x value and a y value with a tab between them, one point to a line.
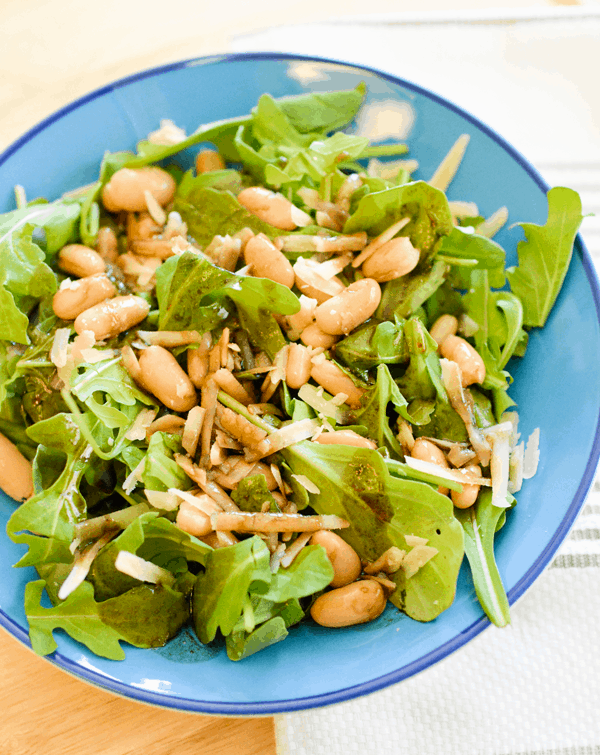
285	706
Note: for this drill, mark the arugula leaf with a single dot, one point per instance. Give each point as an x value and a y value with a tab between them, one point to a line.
461	247
242	644
316	111
24	280
436	418
186	281
111	378
113	401
480	523
161	471
544	257
323	111
354	483
182	282
316	160
425	205
252	492
221	180
402	297
308	573
146	616
422	379
52	513
373	344
215	213
219	593
57	220
78	615
151	537
256	300
373	413
271	620
444	300
270	125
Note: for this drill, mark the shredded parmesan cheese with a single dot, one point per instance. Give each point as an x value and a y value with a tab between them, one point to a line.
142	422
162	500
295	548
306	483
59	353
156	211
192	429
138	568
134	477
532	455
81	566
417	558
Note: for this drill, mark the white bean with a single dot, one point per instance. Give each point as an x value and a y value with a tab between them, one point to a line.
80	260
444	326
111	317
267	261
298	366
74	297
391	260
125	190
163	377
273	208
334	380
344	559
344	312
356	603
16	476
472	366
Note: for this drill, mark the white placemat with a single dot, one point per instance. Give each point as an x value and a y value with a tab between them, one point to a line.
534	687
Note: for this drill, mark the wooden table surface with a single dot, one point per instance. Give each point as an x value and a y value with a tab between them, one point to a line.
44	709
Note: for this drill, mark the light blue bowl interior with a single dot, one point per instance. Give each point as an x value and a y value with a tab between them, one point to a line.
556	388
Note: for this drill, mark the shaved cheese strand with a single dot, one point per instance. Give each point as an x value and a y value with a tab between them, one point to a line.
499	437
287	436
494	223
207	486
81	567
417	558
447	168
192	429
462	403
515	475
378	241
456	475
162	500
203	502
134	477
138	568
169	339
306	483
142	422
58	353
295	548
247	522
532	455
156	211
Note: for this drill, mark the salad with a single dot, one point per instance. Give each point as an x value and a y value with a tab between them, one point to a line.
265	390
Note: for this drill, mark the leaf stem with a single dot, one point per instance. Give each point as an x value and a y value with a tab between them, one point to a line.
35	363
238	408
77	417
249	618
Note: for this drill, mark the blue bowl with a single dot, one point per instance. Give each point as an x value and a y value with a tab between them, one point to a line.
556	386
